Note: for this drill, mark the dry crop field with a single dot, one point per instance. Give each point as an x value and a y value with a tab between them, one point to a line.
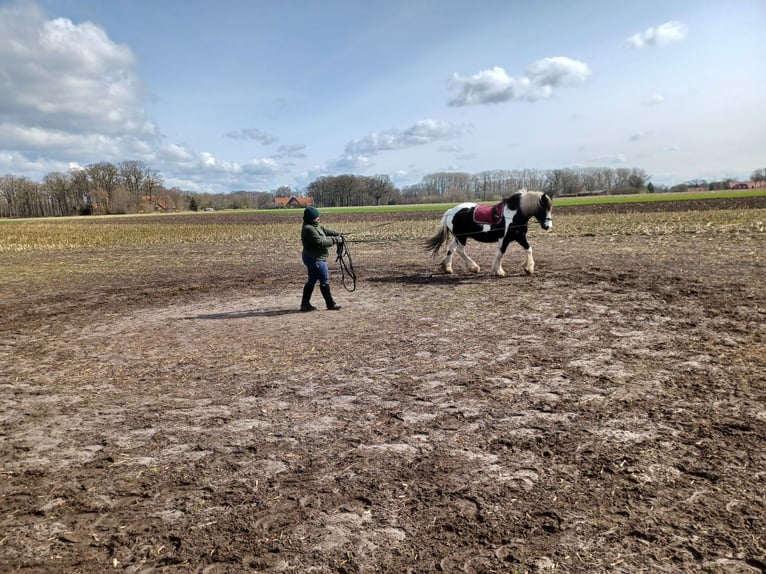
165	408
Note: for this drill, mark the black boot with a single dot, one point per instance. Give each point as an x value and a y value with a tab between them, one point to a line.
306	305
331	304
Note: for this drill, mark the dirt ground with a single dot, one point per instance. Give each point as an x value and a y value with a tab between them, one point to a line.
605	415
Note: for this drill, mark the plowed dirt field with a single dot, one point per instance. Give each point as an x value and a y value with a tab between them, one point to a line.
178	414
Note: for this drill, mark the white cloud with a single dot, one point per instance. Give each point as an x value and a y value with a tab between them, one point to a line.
62	145
421	133
176	153
350	162
186	168
207	173
12	162
62	77
639	135
297	150
495	85
207	159
264	167
661	35
558	71
616	159
253	134
654	100
177	158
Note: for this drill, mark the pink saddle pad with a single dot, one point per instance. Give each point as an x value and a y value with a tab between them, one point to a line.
488	214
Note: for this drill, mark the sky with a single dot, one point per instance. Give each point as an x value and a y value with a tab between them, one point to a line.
230	95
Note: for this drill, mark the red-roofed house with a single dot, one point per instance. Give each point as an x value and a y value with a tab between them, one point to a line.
156	203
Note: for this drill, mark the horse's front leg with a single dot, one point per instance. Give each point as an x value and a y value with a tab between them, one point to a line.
446	263
472	265
497	262
529	263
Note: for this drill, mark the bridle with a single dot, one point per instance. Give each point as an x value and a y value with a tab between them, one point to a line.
346	265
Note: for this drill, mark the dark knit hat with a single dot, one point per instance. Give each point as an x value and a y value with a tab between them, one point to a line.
310	213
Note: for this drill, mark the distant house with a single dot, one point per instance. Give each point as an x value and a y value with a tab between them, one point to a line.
741	185
156	203
293	201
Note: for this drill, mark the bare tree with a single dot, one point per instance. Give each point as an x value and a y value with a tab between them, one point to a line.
132	177
105	177
9	196
449	186
638	178
380	188
62	192
21	197
139	180
283	191
152	183
318	190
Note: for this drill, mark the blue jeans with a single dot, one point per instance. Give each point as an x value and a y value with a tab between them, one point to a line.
317	269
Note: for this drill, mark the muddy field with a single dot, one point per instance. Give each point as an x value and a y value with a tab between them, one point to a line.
605	415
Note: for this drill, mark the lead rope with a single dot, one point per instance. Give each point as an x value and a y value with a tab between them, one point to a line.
346	265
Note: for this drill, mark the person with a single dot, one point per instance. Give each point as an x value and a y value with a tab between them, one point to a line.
316	240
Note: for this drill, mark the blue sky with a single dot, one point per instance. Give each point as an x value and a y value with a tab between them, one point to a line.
248	94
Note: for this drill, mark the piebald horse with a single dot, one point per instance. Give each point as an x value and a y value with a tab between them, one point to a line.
503	223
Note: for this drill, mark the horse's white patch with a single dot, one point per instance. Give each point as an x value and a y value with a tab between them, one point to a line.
509	214
450	215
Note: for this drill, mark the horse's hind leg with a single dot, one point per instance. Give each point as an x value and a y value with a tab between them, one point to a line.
446	263
472	265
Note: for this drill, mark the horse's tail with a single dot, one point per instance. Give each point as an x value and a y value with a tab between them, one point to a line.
435	243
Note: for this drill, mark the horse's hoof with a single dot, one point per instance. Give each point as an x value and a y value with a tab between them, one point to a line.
529	271
500	273
475	269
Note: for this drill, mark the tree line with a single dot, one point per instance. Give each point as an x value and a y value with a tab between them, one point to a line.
133	187
98	188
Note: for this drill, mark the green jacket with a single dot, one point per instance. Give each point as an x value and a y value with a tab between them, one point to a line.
316	240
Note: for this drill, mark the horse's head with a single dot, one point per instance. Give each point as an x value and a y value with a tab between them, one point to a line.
538	205
544	211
